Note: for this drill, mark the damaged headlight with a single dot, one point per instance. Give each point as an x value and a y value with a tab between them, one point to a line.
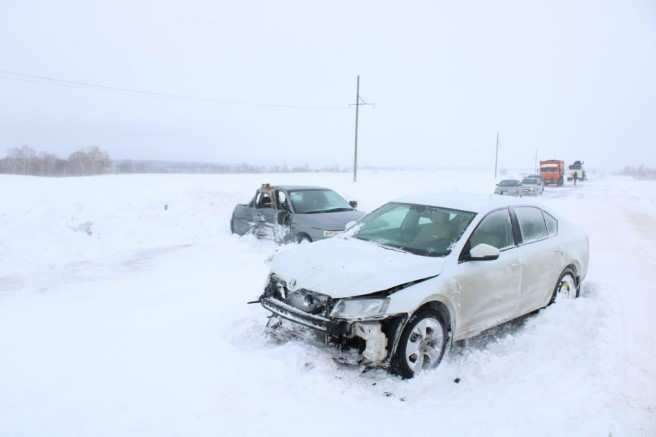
359	308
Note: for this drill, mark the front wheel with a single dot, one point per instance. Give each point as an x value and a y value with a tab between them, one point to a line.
422	344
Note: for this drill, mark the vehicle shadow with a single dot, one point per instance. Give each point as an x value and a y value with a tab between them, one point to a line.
512	327
492	335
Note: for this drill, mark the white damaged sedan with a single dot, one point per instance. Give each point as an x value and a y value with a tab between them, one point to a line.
418	273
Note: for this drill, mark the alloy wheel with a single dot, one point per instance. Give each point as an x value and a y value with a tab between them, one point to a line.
567	287
424	345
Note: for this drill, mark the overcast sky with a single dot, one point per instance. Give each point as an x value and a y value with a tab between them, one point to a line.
271	81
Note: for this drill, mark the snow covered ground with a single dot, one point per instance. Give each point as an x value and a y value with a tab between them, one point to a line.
121	317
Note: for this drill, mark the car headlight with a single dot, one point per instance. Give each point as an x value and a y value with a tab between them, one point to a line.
359	308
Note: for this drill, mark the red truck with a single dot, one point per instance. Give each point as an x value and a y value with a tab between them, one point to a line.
553	171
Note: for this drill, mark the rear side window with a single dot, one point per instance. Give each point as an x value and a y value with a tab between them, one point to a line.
552	223
495	229
531	223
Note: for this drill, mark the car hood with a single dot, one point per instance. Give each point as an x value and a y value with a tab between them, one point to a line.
345	266
332	221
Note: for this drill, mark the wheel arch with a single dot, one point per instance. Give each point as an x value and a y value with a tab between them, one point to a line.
570	268
574	269
441	308
299	236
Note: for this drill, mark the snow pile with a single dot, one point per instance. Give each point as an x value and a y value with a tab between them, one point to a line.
122	312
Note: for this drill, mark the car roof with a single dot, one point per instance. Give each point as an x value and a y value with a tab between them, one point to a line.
298	187
479	203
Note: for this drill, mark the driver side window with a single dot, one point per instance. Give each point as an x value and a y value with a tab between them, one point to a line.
263	200
495	229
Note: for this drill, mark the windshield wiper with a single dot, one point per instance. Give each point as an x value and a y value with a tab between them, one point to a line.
329	210
390	247
405	249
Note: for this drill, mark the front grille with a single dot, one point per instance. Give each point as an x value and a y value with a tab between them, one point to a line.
305	300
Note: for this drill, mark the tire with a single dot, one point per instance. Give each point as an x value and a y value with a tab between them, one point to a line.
425	337
567	286
303	238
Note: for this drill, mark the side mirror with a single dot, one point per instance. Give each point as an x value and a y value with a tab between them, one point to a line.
483	252
349	225
353	203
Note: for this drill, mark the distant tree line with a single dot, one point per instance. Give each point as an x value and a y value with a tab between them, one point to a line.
27	161
639	172
141	166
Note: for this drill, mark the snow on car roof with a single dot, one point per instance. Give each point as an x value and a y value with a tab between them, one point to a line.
463	201
299	187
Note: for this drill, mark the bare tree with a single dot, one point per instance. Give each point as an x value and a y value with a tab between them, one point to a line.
21	160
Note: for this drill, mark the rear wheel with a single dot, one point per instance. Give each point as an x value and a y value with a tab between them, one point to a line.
567	287
303	238
422	344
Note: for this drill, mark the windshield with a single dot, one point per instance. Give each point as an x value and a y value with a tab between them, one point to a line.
419	229
530	181
509	183
315	201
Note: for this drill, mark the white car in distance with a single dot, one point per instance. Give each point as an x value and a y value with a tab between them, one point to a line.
416	274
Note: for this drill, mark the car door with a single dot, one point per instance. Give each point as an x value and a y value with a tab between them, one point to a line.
242	217
539	256
283	217
264	215
489	290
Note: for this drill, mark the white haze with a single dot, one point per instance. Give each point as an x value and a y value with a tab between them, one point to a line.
571	79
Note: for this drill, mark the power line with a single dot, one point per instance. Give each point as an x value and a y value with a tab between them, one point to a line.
36	78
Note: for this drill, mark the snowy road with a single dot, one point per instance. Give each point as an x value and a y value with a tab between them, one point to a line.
119	317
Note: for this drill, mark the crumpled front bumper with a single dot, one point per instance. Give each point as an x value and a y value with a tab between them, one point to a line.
331	327
380	336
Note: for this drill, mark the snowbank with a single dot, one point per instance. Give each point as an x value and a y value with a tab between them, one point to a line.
122	312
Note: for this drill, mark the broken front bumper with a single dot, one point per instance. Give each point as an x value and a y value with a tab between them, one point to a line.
331	327
376	340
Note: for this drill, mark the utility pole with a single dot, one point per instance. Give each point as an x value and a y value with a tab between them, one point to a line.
496	158
357	113
537	170
358	102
